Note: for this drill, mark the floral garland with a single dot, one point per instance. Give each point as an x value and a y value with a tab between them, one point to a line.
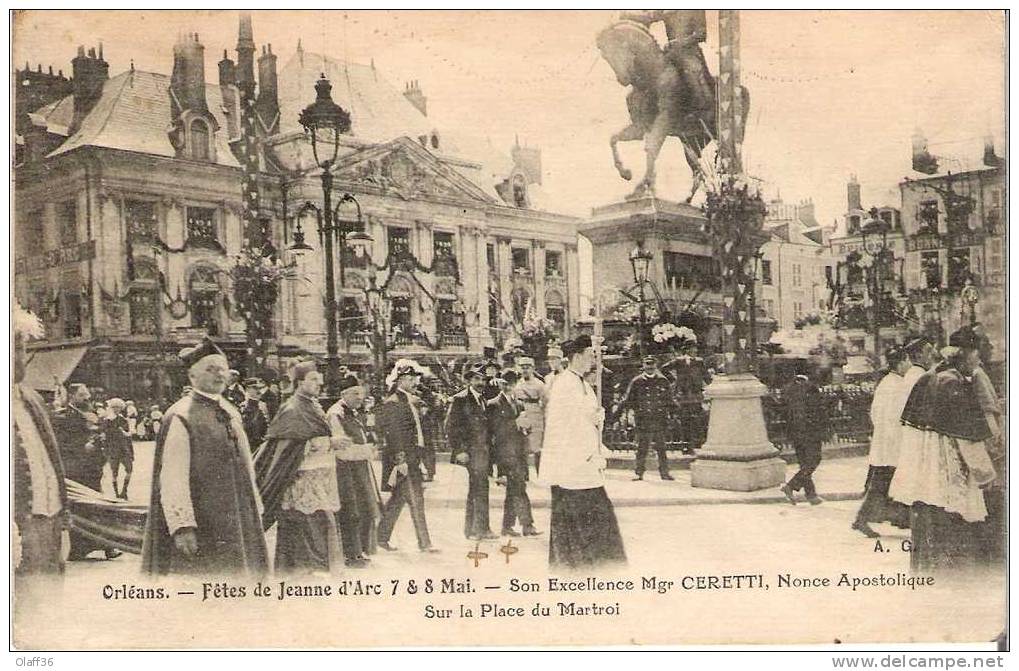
256	284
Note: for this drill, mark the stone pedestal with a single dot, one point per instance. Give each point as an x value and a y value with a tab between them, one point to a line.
737	455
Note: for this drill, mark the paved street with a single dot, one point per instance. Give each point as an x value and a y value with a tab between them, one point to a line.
672	539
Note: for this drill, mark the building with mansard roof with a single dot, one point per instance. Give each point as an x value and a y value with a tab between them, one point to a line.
129	213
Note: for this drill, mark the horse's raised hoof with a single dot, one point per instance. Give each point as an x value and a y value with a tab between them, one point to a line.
626	174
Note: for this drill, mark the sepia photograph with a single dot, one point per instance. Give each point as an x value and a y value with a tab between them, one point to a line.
404	329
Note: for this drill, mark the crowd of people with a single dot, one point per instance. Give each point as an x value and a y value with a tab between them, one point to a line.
235	457
936	457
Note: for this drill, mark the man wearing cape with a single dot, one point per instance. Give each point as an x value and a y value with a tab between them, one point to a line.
296	474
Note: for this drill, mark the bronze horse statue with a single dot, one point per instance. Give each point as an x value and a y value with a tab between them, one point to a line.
664	100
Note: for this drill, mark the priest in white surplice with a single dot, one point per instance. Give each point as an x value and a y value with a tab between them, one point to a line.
885	415
584	531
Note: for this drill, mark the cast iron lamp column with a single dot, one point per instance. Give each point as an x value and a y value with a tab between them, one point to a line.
324	121
640	261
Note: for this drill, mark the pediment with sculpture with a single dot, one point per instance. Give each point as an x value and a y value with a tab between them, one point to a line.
408	171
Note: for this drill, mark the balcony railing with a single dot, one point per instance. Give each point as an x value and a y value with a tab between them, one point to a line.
448	340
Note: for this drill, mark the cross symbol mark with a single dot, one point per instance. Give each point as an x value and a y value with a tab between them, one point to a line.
477	555
509	549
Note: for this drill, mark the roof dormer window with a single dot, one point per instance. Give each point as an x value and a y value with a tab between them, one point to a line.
200	137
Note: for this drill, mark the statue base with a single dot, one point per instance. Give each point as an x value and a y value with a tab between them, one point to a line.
737	455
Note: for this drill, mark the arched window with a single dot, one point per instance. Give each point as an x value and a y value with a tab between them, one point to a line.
200	140
144	298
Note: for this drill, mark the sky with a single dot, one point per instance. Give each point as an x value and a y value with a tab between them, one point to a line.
833	93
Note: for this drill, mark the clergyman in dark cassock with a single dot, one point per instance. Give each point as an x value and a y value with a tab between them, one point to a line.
296	471
204	511
40	497
584	530
359	495
467	434
509	450
399	426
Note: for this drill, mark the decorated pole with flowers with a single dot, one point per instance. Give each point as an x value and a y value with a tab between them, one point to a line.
256	282
737	454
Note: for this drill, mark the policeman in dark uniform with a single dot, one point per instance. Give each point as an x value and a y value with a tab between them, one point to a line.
650	397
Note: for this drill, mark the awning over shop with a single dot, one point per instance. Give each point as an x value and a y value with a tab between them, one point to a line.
48	368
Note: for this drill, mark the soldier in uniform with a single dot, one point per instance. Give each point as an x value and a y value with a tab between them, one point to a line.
529	392
650	397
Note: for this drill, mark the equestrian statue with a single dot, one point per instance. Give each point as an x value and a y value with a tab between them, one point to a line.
672	91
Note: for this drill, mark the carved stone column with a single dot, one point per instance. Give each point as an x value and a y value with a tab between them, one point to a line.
538	254
572	280
505	259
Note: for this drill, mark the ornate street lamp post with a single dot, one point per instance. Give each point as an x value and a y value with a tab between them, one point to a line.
324	121
640	261
875	244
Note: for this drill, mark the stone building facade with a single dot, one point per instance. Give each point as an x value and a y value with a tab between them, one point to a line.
129	214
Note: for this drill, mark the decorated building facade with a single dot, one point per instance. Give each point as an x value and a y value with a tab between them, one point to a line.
134	195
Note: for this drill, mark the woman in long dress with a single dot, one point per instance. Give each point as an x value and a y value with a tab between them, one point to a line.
933	477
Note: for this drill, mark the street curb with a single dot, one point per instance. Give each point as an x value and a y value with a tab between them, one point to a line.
628	460
663	502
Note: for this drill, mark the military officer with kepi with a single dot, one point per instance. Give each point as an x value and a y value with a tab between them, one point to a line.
650	397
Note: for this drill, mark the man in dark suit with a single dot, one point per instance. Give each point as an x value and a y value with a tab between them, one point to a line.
650	397
509	450
254	412
808	429
467	433
399	425
77	431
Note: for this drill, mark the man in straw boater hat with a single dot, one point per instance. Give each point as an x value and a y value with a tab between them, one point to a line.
467	433
399	425
355	478
584	530
39	509
205	514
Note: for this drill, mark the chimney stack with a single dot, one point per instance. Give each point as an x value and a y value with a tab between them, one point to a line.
188	79
412	92
991	158
923	161
89	75
268	105
853	194
245	57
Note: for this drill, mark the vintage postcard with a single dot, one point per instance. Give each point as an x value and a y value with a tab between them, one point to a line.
404	329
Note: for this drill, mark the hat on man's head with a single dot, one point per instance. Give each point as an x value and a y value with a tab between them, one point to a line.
253	382
554	353
578	344
964	338
301	370
474	370
649	359
525	361
348	381
894	355
192	355
509	376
